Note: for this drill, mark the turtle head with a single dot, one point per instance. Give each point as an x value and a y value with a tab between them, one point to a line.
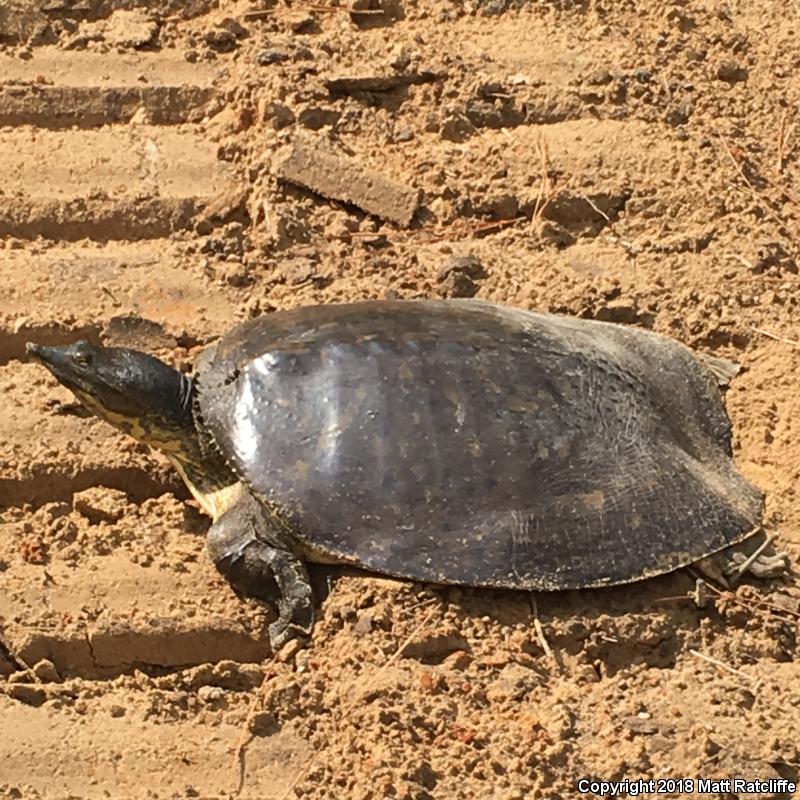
133	391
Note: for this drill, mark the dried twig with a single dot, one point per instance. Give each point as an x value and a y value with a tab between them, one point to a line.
784	134
251	16
545	194
458	229
537	626
759	550
367	11
595	207
752	604
781	143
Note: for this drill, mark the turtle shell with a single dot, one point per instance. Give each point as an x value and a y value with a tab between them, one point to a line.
464	442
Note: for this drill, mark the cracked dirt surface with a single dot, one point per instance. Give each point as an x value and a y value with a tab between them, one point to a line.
636	163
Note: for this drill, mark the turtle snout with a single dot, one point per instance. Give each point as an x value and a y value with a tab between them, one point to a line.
51	357
40	352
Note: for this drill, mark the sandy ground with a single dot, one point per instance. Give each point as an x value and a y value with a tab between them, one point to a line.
633	162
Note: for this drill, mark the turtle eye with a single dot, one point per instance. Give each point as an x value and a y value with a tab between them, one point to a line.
83	359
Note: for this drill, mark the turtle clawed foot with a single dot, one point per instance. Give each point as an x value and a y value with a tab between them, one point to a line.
281	632
295	613
755	556
763	566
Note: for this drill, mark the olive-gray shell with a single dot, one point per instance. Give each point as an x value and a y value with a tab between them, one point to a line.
464	442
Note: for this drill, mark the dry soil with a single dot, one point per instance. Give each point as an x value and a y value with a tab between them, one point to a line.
626	161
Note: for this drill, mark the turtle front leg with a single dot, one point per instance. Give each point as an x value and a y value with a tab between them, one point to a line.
249	549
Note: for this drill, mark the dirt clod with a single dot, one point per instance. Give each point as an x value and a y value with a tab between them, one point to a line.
338	177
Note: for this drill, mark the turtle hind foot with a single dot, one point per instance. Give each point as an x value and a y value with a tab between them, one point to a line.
756	556
248	553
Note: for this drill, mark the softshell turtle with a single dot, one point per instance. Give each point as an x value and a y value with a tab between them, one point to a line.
447	441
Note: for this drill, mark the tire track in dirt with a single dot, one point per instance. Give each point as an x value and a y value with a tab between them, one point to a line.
106	157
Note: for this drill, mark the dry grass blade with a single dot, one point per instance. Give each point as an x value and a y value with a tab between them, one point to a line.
723	666
460	229
758	606
784	135
545	194
537	626
792	342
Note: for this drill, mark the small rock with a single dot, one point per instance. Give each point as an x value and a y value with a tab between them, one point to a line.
298	271
25	693
301	21
231	120
227	675
492	8
317	117
340	177
458	276
221	40
235	27
731	71
784	601
599	77
101	504
346	612
276	115
646	726
116	711
555	234
210	694
455	127
434	646
262	723
229	204
272	55
514	683
289	650
363	624
129	29
459	660
46	671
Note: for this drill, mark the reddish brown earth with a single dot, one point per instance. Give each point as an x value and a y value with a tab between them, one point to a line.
617	161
